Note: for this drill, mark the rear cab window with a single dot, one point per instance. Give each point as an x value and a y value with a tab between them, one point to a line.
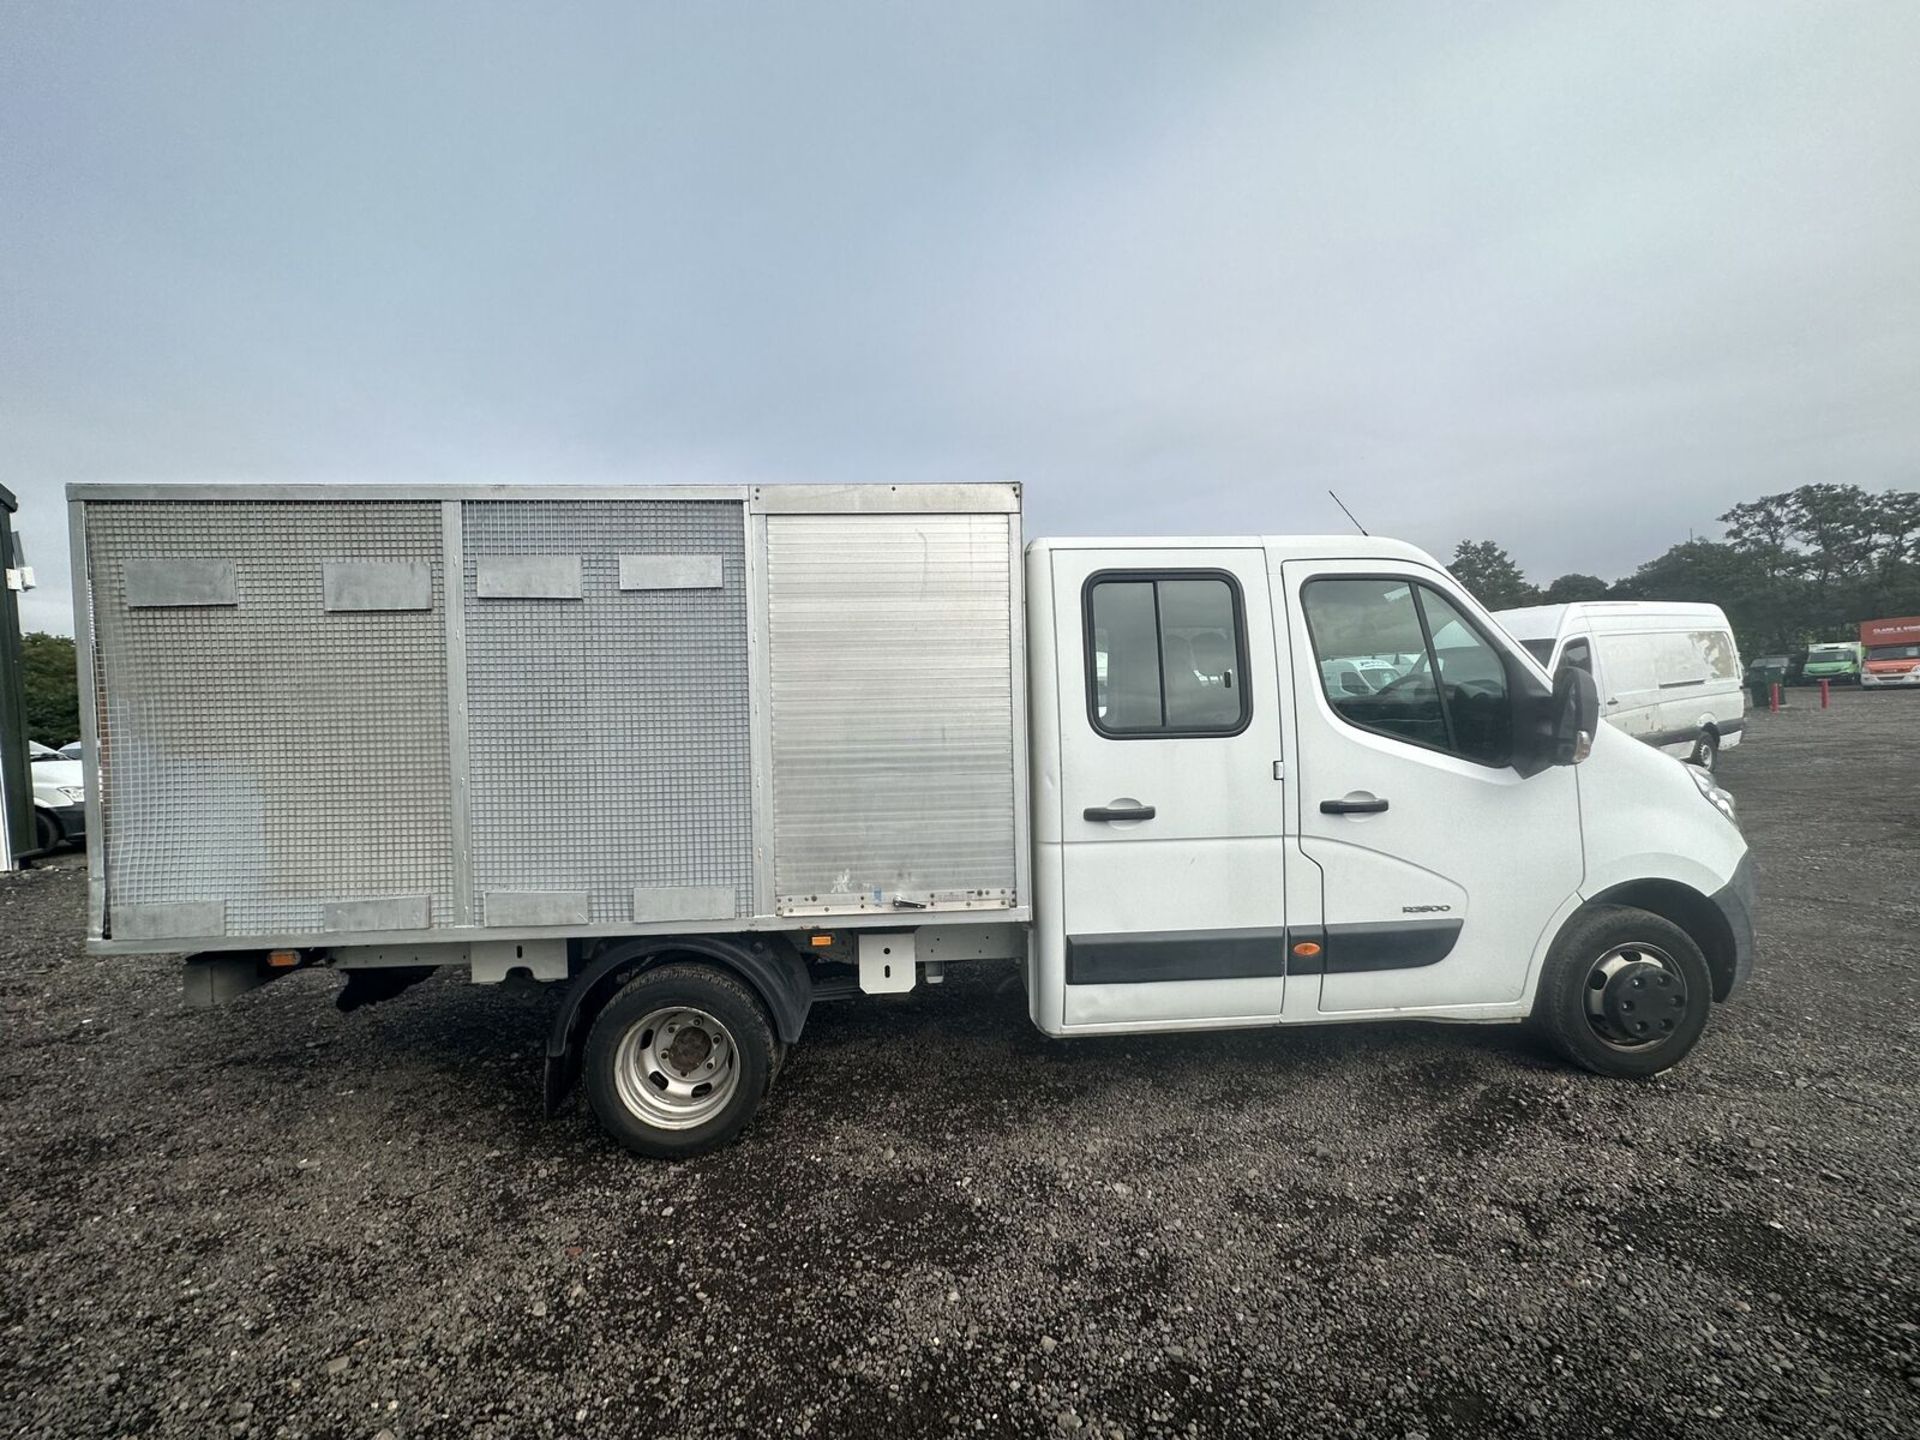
1166	654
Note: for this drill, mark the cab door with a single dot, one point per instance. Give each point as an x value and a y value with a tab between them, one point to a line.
1441	865
1170	907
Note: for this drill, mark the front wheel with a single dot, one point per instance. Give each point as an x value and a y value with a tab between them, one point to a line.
678	1061
1624	992
1706	751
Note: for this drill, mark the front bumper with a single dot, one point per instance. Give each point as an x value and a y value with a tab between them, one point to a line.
1735	901
73	821
1871	681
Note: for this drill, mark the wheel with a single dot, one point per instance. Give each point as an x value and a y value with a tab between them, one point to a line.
1706	751
1624	992
678	1061
47	834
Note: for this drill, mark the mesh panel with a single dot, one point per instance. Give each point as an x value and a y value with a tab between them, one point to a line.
270	753
609	735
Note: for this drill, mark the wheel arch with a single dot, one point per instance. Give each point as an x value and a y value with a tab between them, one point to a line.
769	968
1693	912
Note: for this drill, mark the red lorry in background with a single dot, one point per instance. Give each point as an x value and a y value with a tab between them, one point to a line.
1891	653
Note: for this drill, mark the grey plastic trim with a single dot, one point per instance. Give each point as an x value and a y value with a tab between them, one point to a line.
670	572
1689	732
177	920
162	584
377	585
1388	945
1146	958
527	577
683	902
536	907
380	912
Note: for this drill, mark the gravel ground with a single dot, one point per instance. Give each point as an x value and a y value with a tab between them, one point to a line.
272	1219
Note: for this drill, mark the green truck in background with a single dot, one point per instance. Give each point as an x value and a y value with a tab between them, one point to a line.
1837	661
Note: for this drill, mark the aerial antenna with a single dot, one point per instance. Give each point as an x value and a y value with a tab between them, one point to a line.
1348	513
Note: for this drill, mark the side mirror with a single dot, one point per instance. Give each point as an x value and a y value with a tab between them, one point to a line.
1554	727
1575	716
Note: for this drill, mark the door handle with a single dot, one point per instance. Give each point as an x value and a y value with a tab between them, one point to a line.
1352	807
1118	812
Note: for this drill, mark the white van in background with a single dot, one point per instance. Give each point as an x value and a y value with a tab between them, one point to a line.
1668	673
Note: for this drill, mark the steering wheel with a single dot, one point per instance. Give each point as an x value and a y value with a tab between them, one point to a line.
1417	669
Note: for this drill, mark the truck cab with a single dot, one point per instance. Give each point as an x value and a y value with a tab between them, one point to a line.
1301	779
1837	661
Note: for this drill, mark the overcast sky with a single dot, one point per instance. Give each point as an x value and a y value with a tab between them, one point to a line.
1573	277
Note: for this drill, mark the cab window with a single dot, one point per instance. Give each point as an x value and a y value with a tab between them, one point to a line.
1397	658
1166	654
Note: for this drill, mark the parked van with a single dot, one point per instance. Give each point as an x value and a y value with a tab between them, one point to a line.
1836	661
1668	673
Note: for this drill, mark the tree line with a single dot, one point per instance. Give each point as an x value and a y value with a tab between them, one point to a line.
1795	568
48	674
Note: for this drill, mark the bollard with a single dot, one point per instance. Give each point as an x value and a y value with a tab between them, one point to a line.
1773	701
1826	693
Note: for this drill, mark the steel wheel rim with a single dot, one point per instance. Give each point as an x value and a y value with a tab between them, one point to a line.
1601	974
676	1067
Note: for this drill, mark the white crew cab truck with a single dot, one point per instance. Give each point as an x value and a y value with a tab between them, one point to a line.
703	756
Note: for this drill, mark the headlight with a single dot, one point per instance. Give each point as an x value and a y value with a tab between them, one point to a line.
76	794
1711	792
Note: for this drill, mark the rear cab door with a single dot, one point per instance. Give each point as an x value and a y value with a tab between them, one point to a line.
1159	877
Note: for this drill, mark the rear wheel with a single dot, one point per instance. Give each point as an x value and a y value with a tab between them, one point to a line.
678	1061
1624	992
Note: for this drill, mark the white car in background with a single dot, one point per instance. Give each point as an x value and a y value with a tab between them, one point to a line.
59	798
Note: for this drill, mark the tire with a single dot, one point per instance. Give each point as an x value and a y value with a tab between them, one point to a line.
1606	940
1706	751
47	834
678	1061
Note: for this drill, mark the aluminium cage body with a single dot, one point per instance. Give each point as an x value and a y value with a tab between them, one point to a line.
378	715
